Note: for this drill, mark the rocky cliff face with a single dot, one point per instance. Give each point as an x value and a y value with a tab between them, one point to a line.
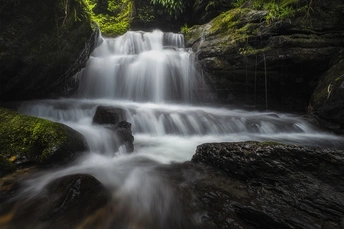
43	44
327	100
268	63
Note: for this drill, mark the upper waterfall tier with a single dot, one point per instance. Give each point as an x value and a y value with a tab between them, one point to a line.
142	66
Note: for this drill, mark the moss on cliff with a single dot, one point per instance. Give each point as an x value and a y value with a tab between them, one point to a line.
113	17
43	44
36	140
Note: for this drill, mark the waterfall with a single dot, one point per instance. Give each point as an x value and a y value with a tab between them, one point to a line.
153	78
141	67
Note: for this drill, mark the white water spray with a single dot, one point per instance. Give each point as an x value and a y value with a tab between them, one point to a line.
153	78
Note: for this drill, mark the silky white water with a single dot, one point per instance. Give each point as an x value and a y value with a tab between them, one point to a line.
155	80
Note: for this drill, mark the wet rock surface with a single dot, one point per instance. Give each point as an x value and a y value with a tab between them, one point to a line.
31	140
113	118
242	185
327	100
64	203
287	186
108	115
245	55
43	45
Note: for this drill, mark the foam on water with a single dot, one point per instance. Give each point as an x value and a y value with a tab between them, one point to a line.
154	79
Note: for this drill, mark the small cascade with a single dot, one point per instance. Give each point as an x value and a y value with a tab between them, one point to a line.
153	78
142	67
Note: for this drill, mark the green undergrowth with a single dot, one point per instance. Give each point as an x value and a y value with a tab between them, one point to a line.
277	9
113	17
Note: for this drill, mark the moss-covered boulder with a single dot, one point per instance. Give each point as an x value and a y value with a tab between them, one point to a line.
253	56
34	140
43	44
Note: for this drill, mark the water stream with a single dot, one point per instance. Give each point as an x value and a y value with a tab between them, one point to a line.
153	77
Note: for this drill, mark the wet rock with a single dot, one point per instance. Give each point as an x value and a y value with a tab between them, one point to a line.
244	55
64	203
123	135
26	140
108	115
113	117
43	49
327	100
281	186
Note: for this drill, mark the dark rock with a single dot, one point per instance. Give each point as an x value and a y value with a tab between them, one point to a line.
327	100
281	186
114	117
108	115
43	48
123	136
245	56
64	203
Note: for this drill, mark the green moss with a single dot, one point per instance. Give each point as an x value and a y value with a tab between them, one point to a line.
112	19
22	135
227	21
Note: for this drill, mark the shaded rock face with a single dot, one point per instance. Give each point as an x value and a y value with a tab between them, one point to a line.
43	45
114	118
327	100
64	203
246	57
274	185
242	185
108	115
123	135
30	140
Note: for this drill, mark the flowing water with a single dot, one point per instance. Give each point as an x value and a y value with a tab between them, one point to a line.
154	78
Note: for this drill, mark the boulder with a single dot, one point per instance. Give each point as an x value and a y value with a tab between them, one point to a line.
272	185
108	115
123	136
327	100
249	59
113	117
43	48
26	139
66	202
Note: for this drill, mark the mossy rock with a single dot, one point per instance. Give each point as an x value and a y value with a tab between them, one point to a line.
39	141
43	45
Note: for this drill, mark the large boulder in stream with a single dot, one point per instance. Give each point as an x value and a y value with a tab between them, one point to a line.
43	45
259	58
272	185
30	140
113	118
239	185
108	115
67	202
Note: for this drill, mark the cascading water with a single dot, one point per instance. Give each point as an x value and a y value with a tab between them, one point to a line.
154	79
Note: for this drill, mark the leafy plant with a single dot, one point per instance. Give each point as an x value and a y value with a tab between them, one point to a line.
115	19
185	29
172	7
239	3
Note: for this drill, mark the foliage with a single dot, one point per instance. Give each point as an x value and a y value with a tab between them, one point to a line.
238	3
114	19
185	29
277	9
172	7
